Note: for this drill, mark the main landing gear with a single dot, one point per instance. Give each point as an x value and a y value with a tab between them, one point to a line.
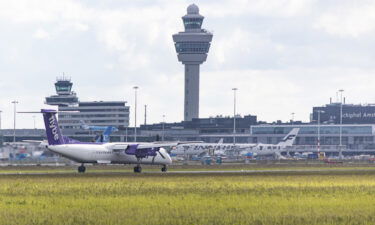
81	168
137	169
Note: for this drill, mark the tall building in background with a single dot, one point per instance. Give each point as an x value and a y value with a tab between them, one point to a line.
192	46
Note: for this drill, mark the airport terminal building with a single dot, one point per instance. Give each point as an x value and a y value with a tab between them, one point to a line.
96	113
359	137
351	114
357	129
103	113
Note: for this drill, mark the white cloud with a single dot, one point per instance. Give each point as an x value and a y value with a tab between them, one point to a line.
268	8
41	34
352	19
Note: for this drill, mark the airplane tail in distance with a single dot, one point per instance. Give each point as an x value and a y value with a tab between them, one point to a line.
105	136
289	139
83	125
53	132
219	143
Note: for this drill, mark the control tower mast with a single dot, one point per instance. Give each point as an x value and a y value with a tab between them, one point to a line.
192	46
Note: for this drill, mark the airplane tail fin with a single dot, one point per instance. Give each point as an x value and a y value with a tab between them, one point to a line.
218	144
289	139
83	125
105	136
53	131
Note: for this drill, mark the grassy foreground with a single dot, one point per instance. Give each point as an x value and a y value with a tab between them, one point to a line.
287	198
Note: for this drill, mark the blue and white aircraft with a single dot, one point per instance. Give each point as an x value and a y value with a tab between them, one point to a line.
106	153
105	136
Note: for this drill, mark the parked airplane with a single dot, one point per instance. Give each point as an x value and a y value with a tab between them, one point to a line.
95	128
221	148
273	149
107	153
103	137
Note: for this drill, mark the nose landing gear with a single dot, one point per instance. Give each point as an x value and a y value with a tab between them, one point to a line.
137	169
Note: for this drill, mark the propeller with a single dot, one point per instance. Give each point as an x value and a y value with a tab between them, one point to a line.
160	153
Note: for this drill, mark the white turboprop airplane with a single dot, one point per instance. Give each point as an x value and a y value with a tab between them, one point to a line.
256	149
106	153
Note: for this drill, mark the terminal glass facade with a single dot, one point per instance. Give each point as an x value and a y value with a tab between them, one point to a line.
355	137
313	129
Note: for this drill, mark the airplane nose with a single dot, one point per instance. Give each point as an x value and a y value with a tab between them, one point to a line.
167	157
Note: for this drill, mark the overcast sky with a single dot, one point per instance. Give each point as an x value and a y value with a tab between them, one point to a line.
284	56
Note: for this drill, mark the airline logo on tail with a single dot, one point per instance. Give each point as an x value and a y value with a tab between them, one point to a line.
289	139
53	132
53	126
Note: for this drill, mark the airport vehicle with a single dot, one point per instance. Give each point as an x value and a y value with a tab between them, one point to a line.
243	149
106	153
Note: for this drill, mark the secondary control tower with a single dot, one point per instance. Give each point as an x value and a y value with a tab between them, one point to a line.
192	46
65	96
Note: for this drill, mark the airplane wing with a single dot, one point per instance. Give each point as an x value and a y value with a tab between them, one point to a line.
33	141
43	143
165	144
143	150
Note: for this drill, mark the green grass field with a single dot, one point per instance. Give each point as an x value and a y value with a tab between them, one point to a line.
329	197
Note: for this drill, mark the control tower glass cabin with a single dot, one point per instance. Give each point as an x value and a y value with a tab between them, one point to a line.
192	46
65	96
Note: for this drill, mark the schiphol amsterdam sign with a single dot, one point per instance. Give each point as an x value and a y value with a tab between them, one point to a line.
362	115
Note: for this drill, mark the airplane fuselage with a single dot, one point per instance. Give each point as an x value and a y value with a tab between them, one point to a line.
104	153
197	149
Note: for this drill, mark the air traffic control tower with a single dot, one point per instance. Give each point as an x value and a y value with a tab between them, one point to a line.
192	47
65	96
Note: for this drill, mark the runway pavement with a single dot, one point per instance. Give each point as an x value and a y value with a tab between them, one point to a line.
271	171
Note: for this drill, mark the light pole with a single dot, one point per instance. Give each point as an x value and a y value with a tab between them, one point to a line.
292	117
0	118
135	113
340	149
14	120
145	114
126	134
319	111
234	115
162	137
34	122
